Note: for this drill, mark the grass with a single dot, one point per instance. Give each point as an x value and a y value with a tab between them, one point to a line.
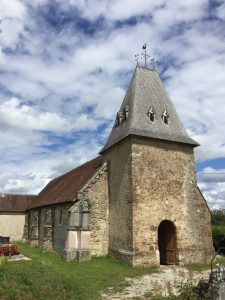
48	277
203	267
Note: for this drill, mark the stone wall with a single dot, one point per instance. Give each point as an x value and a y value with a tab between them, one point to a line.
164	188
11	225
87	233
75	230
151	181
97	196
60	227
207	229
33	227
47	227
120	198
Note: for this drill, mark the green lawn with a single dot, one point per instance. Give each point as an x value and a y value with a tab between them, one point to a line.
48	277
202	267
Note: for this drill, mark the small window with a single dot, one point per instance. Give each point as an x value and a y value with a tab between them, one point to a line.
151	113
60	216
165	117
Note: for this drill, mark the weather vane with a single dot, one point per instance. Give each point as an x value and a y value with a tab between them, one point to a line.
144	55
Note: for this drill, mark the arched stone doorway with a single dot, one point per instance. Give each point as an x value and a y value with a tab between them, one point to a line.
167	243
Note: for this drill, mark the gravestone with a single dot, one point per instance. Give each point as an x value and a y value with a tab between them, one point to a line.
4	240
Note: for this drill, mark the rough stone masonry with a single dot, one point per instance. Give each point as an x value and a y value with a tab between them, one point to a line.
139	200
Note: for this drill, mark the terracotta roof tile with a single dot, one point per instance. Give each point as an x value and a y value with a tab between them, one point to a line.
15	203
65	187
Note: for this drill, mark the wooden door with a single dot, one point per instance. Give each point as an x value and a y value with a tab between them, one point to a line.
167	243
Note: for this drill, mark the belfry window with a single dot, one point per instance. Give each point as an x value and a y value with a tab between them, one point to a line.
151	113
165	116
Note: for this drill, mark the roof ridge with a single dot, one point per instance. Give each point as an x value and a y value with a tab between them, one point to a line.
8	194
68	172
95	175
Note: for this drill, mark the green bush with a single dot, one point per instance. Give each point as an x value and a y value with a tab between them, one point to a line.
218	232
218	217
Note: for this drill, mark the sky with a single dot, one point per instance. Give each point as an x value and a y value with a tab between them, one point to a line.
65	66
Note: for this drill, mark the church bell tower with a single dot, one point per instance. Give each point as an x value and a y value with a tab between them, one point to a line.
157	214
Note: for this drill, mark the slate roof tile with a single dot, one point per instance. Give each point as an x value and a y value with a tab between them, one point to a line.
146	90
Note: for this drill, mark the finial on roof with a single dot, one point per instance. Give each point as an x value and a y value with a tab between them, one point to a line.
145	56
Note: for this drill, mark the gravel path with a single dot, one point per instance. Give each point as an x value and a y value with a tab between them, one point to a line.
166	282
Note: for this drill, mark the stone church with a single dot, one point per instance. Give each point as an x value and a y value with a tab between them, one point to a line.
138	201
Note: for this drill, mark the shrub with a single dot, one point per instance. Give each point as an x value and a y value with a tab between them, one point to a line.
218	232
218	217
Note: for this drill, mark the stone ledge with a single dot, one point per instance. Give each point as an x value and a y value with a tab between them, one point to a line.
83	255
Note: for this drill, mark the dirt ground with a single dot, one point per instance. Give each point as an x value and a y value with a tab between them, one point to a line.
167	282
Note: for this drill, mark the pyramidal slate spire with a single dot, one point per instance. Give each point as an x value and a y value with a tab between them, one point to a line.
147	111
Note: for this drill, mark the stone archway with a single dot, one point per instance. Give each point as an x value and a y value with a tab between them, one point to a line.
167	243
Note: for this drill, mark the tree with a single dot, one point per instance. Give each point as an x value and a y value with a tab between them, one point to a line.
218	228
218	217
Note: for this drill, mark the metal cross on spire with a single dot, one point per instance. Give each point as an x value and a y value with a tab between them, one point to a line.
144	54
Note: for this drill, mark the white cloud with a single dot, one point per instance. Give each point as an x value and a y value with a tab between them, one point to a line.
18	177
163	12
209	174
214	193
36	3
71	80
197	88
212	183
12	20
221	11
2	57
17	115
11	28
12	9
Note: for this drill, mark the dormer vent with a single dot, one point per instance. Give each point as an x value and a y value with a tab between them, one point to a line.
125	112
119	119
165	116
151	113
122	116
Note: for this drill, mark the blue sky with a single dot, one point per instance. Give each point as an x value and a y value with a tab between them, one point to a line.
64	69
